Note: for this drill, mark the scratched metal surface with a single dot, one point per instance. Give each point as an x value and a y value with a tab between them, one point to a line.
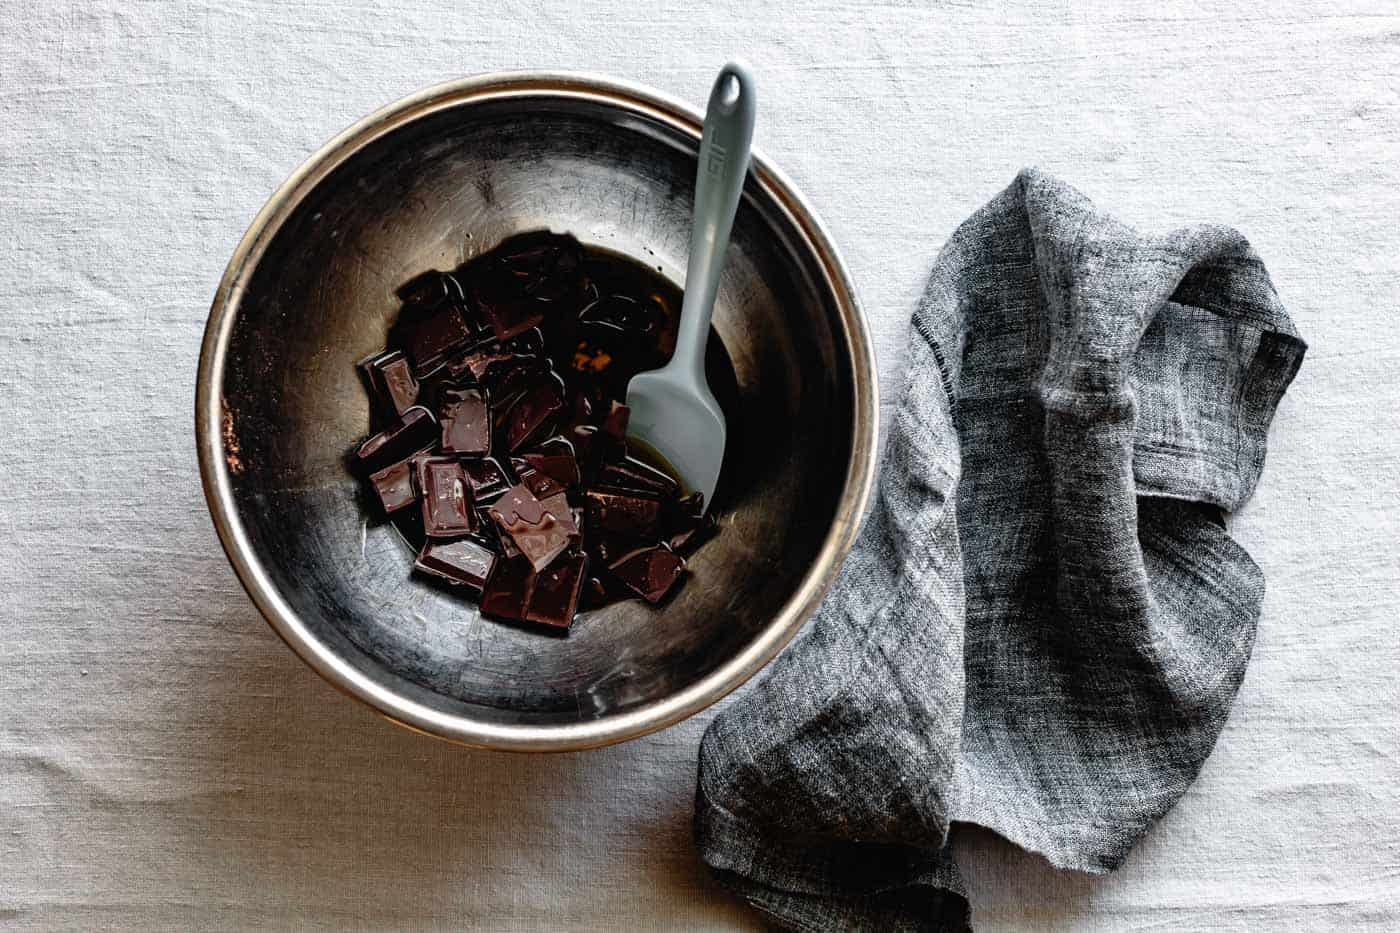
431	194
165	762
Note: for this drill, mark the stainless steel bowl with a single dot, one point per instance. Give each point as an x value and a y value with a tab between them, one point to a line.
426	183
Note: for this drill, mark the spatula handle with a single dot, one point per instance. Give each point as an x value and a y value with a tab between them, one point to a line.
724	163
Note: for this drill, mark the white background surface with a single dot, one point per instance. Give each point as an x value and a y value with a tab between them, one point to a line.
166	763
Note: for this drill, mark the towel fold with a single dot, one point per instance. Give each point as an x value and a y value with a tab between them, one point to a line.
1044	622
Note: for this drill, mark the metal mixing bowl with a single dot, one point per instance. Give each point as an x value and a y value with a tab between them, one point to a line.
426	183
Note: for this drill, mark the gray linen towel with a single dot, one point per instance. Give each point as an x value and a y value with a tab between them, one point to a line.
1044	622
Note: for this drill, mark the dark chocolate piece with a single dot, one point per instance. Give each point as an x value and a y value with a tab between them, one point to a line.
554	599
430	289
504	306
394	486
485	359
415	431
684	522
463	561
533	415
509	381
611	438
623	512
429	337
507	591
555	458
595	595
631	473
541	484
541	531
391	382
587	451
624	313
649	572
488	479
615	421
447	498
466	422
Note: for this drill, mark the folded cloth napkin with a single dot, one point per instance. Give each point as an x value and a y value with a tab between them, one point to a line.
1044	621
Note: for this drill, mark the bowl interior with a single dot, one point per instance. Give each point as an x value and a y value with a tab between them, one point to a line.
429	194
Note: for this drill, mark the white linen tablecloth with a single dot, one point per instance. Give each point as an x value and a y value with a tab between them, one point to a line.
165	763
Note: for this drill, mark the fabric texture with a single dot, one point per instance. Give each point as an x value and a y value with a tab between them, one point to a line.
1044	622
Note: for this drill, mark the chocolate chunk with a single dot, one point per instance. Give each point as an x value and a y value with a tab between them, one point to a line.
415	431
615	421
562	516
464	561
515	374
555	458
481	360
649	572
554	599
541	484
631	473
587	451
447	498
541	531
487	478
394	486
504	305
583	408
684	522
429	337
507	590
624	313
430	289
595	595
620	512
466	422
391	383
612	433
533	415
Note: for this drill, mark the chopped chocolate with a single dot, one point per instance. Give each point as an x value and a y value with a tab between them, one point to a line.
430	289
506	374
649	572
594	594
500	297
587	451
621	512
583	408
487	478
391	382
555	458
430	336
541	484
527	351
540	531
394	486
631	473
533	415
447	498
624	313
507	590
684	522
413	432
466	422
463	561
612	434
615	421
554	599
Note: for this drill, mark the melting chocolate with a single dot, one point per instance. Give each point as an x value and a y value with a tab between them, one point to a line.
524	353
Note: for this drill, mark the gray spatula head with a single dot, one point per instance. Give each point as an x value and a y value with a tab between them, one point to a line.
673	409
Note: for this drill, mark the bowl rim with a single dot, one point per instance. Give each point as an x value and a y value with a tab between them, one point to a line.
340	673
